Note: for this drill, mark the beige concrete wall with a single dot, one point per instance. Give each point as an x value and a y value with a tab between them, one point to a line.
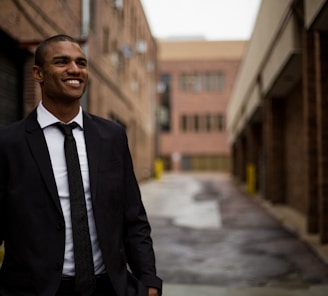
281	89
267	27
312	8
197	51
286	44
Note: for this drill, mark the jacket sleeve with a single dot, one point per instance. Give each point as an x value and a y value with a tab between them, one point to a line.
138	242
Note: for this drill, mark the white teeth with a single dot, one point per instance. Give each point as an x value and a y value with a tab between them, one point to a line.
72	81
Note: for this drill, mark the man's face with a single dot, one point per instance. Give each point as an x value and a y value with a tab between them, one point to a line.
64	72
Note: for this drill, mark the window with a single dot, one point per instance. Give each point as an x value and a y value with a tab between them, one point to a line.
198	82
187	81
196	123
165	102
209	81
202	123
218	81
207	78
208	122
221	123
184	123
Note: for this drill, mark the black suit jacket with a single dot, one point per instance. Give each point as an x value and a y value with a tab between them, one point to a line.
32	223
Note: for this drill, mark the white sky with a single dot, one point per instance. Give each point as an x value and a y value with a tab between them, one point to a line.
211	19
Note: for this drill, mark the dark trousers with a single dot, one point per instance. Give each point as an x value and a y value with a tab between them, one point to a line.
104	287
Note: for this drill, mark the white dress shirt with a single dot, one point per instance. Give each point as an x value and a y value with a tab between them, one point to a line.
55	142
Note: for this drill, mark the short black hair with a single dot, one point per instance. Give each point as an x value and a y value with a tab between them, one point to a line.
39	53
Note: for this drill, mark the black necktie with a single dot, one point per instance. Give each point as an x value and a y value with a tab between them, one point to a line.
85	281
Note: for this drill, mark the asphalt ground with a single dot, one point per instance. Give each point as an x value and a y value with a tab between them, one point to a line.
210	238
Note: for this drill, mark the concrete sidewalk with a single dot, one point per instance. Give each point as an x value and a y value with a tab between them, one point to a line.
295	222
174	201
198	290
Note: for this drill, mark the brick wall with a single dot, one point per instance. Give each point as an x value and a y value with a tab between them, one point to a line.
254	151
197	103
122	79
31	21
321	46
274	139
295	151
310	133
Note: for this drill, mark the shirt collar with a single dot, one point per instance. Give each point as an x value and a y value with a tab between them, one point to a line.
45	118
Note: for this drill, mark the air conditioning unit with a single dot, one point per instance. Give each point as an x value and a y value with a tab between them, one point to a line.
115	59
134	85
161	87
118	4
126	50
141	46
150	67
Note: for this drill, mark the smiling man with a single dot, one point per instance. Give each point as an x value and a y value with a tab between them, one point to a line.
71	214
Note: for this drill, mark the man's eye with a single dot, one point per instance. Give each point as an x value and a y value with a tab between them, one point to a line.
60	62
82	64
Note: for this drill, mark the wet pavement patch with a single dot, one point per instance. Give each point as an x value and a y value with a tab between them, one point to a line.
208	192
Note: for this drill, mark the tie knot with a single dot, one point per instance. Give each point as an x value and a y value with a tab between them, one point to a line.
66	129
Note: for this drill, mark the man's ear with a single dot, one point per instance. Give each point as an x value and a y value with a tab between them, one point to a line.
37	74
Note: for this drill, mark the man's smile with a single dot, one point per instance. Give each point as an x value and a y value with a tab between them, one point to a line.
73	82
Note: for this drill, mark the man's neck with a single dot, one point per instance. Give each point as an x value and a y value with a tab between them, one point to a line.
64	112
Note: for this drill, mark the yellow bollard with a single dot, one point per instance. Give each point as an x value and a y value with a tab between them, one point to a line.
251	179
158	168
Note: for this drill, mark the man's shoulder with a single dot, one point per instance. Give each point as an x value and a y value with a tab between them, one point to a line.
12	134
20	125
12	127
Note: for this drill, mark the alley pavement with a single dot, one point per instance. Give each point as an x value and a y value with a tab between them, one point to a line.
210	239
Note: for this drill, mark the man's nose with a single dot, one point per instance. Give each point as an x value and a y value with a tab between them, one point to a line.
73	67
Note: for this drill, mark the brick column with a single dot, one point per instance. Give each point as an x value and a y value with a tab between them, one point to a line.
273	139
243	163
321	64
234	159
310	133
241	159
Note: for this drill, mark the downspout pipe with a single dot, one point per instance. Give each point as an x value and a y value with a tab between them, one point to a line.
85	25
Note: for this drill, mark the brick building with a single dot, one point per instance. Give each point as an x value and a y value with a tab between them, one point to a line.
122	63
196	83
277	117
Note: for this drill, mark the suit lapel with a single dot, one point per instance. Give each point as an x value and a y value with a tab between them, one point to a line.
39	150
92	142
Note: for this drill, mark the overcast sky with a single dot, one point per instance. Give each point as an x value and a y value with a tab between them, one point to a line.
211	19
